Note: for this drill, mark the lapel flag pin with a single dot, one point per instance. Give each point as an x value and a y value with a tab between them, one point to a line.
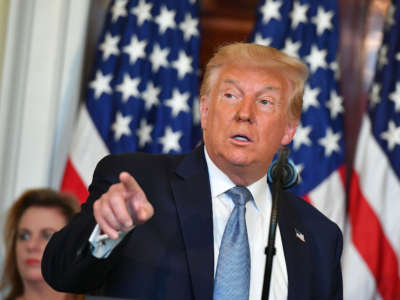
300	236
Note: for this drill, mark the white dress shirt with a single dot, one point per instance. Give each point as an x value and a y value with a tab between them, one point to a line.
257	220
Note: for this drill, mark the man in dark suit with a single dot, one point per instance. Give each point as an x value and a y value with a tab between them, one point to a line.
153	225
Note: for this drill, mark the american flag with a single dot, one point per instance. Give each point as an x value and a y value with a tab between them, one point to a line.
143	95
371	258
308	30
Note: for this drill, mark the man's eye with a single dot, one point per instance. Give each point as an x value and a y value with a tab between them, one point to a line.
266	102
229	95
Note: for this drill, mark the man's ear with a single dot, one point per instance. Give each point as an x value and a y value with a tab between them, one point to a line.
204	101
289	132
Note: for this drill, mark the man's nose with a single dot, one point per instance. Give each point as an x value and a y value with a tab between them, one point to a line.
246	109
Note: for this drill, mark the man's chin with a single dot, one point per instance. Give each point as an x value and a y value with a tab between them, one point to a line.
234	160
239	161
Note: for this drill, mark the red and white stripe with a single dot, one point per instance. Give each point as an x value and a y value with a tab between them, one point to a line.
86	150
372	242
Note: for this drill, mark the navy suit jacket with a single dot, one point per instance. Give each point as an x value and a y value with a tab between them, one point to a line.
172	255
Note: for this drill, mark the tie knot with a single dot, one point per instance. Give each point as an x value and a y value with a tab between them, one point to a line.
239	195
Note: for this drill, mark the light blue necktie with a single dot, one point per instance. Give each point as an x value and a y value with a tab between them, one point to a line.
232	279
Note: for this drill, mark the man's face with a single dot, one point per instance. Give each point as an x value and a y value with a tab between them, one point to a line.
245	120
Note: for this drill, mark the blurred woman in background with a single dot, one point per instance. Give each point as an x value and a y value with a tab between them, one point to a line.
31	221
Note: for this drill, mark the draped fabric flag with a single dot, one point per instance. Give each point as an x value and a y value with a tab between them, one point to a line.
143	95
371	260
308	29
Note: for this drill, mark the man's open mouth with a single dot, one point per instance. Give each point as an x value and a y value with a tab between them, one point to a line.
241	138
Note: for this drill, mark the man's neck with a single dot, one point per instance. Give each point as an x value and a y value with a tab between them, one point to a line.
239	175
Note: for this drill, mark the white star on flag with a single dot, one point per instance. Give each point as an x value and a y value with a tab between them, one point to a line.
323	20
310	97
121	126
270	10
135	49
335	104
317	58
382	59
392	135
302	137
118	10
335	68
178	102
109	46
375	97
292	48
128	87
158	58
142	12
170	140
183	64
166	19
189	27
101	84
150	96
330	142
258	39
298	14
144	133
395	97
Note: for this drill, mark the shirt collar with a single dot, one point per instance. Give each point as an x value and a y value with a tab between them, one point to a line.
220	183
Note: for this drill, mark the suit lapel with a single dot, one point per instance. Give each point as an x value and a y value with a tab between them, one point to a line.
297	252
192	194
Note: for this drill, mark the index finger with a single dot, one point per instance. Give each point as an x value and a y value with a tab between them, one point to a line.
129	183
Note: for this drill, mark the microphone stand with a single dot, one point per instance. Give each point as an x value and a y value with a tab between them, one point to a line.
276	199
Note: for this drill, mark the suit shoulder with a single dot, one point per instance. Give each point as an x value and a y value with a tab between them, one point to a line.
137	161
144	167
138	157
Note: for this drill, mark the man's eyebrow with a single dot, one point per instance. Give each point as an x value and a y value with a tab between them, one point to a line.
271	88
265	89
233	81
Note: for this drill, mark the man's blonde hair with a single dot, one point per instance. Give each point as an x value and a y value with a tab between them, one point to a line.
263	56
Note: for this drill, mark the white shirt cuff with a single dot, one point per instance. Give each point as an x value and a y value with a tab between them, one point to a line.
101	245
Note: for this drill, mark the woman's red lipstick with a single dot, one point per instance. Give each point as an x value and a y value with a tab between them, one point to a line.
32	261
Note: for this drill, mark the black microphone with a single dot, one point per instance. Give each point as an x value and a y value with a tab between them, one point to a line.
289	174
283	174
